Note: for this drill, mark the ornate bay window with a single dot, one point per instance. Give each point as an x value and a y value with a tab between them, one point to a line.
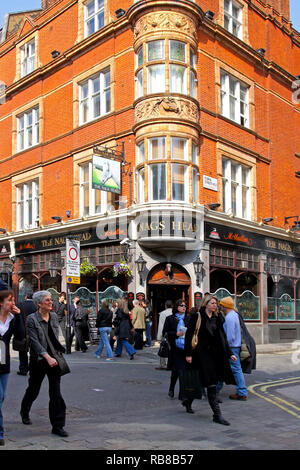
167	169
170	66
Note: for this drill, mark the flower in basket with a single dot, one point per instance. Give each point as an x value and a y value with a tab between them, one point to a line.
86	268
122	268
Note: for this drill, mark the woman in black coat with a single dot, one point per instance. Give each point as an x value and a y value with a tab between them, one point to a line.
175	327
212	353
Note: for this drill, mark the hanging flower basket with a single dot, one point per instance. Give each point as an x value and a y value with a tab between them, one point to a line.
122	268
87	269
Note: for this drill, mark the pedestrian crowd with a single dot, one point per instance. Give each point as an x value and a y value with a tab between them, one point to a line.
203	348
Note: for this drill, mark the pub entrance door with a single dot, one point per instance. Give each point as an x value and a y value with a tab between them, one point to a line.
172	284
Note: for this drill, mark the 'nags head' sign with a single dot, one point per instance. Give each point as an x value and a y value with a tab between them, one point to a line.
106	174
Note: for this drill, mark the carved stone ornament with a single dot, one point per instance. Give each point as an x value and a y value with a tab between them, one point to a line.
165	21
166	107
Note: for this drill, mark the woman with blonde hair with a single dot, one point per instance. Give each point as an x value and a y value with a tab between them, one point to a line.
210	356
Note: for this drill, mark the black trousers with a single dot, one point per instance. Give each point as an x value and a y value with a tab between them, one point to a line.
79	332
23	362
138	338
57	407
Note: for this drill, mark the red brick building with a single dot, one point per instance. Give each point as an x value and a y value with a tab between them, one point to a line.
198	101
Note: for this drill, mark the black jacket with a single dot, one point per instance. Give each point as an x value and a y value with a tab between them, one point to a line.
211	355
59	309
16	328
248	364
123	325
176	359
104	318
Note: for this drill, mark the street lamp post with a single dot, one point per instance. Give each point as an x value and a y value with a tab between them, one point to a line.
198	267
141	264
276	278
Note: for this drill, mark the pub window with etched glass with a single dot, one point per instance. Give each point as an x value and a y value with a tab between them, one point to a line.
234	99
236	188
27	58
233	18
28	205
94	97
93	16
28	129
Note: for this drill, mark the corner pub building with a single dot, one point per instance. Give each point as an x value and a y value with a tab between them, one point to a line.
199	103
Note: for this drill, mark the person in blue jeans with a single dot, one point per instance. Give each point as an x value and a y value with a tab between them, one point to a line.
123	331
232	330
104	323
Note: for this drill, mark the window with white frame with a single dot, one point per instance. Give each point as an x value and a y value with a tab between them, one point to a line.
166	59
140	83
28	205
179	148
27	58
195	185
140	153
156	148
141	185
195	153
89	198
94	97
157	182
156	78
28	129
236	188
234	99
179	182
233	18
94	16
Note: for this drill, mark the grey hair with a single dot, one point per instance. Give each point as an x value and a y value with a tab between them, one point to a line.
38	296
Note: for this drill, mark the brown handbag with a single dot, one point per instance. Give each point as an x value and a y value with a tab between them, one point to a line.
195	335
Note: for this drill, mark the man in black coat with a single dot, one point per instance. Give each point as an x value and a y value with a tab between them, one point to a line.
27	307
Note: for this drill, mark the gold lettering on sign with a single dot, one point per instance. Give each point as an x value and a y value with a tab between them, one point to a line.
270	243
284	246
47	243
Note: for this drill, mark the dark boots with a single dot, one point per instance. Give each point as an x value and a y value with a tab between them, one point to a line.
188	405
212	399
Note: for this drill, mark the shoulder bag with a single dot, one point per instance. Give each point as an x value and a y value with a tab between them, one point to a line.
58	356
21	345
195	335
164	347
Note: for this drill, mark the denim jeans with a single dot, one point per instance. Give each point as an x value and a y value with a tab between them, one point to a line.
148	333
3	388
123	342
239	378
104	341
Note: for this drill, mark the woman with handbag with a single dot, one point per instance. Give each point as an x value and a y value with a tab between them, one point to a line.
175	327
45	359
207	350
10	324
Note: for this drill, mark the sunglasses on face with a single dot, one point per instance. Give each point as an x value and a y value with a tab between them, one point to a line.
182	306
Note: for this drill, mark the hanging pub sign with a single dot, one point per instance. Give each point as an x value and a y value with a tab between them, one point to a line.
106	174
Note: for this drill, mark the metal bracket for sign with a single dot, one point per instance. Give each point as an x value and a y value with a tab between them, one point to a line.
119	155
